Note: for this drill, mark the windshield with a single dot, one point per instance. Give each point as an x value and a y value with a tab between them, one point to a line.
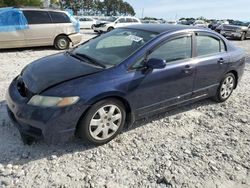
239	23
112	48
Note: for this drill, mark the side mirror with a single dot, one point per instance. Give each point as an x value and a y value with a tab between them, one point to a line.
156	63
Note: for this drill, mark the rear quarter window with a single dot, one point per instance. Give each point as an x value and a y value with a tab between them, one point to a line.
37	17
60	17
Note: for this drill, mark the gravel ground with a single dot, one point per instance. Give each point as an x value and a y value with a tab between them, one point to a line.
200	145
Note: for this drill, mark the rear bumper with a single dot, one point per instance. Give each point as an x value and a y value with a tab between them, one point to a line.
75	38
53	125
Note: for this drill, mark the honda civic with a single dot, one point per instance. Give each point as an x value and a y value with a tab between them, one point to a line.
101	87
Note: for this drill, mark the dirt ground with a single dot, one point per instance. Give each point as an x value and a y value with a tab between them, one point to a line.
200	145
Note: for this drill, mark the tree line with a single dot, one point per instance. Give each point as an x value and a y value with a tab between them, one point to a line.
88	7
97	7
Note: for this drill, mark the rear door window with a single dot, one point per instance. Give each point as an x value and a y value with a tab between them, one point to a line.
207	45
129	20
60	17
37	17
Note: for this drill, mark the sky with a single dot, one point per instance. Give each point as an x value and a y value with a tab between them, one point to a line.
172	9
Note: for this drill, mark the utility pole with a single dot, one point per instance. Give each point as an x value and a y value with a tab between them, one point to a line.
142	14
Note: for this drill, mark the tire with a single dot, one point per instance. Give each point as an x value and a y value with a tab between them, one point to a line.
62	42
226	88
243	36
27	140
97	126
110	29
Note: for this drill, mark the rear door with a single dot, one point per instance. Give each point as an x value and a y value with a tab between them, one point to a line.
62	23
41	30
212	61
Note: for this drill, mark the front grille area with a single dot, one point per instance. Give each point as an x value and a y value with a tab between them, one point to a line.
22	89
229	29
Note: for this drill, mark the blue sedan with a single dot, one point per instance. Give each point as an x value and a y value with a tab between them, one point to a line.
101	87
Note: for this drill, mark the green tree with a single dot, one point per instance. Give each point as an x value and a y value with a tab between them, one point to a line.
9	3
94	7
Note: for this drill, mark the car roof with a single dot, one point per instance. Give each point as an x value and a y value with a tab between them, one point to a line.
39	9
161	28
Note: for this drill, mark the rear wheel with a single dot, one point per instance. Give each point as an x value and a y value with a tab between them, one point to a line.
226	88
27	140
102	122
62	42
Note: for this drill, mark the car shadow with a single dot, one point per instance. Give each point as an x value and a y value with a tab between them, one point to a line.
28	49
13	151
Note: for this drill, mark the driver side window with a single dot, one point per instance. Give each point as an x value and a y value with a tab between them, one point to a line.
173	50
121	20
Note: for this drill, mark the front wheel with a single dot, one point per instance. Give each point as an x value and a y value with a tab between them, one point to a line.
226	88
102	122
110	29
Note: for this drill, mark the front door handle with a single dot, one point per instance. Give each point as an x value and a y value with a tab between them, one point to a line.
221	61
187	69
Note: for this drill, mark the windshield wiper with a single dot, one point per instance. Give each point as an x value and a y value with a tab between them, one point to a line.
83	57
92	60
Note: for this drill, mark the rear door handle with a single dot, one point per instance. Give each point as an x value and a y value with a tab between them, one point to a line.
221	61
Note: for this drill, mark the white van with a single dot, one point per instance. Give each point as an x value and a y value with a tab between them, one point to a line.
44	28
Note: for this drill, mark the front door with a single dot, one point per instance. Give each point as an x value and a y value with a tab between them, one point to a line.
160	88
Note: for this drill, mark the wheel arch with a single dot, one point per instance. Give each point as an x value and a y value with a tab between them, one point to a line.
62	34
130	118
235	73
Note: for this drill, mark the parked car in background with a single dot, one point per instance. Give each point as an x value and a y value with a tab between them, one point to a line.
39	27
237	30
172	22
186	22
200	23
150	21
86	22
101	87
116	23
216	24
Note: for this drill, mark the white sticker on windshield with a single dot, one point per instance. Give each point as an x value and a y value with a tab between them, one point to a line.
134	38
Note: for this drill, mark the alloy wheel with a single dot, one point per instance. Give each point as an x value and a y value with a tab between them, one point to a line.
227	87
105	122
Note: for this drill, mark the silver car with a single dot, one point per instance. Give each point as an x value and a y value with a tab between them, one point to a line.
37	27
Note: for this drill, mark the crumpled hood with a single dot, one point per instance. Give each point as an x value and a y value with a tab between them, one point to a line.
55	69
234	27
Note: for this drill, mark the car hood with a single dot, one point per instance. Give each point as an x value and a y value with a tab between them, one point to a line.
234	27
53	70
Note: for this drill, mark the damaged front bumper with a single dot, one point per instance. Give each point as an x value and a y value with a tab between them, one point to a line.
53	125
